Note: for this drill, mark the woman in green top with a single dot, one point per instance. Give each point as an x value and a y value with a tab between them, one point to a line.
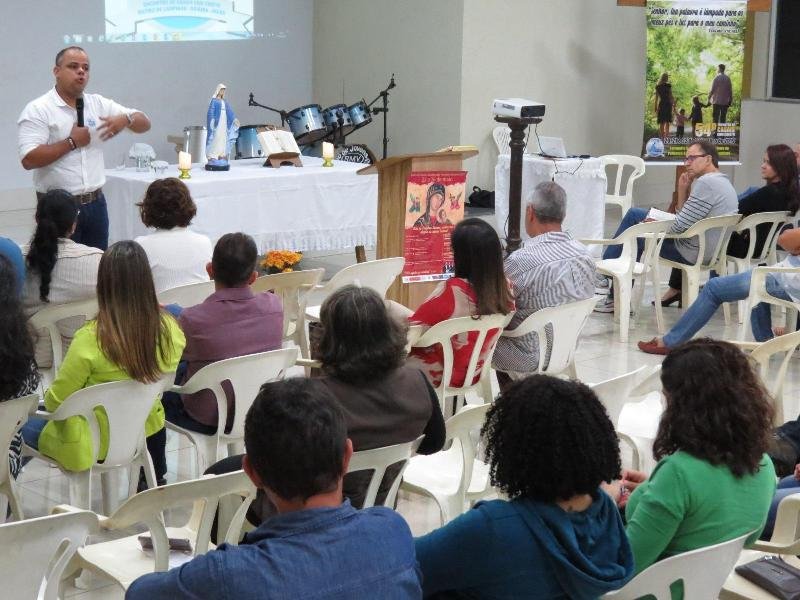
713	481
131	338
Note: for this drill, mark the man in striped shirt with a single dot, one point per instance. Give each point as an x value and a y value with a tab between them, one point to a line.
551	269
703	192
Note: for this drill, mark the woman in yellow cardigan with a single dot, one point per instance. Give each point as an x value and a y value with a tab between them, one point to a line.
131	338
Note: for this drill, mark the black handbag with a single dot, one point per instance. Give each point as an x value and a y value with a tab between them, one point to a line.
774	575
481	198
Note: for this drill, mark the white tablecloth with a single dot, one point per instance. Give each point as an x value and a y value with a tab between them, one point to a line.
308	208
584	180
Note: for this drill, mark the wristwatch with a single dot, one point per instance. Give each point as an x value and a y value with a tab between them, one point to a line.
129	116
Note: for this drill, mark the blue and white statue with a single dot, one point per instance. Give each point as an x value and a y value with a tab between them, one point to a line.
223	129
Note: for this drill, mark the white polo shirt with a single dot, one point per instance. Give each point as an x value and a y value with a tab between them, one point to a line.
48	120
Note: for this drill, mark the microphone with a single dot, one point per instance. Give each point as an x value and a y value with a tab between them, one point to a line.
79	108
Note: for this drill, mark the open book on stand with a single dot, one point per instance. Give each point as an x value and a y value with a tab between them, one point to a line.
279	146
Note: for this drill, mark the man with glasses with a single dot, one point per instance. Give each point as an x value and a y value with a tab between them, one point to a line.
703	192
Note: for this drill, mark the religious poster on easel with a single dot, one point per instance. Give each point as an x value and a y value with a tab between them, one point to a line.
695	59
434	204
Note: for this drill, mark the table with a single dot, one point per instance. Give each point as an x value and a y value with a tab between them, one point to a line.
307	208
584	180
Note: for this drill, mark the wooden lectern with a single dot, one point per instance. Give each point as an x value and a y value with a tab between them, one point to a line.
393	175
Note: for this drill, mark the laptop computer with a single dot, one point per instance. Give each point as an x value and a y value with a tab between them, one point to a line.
552	147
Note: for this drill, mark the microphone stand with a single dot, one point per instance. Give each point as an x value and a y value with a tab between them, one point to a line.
282	113
385	109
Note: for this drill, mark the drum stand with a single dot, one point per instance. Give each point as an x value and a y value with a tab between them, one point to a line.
282	113
384	109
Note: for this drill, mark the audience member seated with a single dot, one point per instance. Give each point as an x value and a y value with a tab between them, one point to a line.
131	338
317	545
781	193
233	321
478	287
552	268
703	192
732	288
713	481
786	487
362	351
549	444
177	255
13	253
59	270
18	375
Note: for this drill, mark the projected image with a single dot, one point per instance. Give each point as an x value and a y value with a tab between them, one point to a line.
178	20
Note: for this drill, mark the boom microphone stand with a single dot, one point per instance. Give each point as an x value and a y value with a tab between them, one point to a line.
282	113
385	109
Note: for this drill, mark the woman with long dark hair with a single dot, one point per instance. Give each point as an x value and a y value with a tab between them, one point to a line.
478	287
59	270
18	374
131	338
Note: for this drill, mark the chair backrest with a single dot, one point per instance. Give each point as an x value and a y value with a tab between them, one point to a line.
246	375
376	274
502	138
126	404
725	223
567	321
614	393
459	429
204	493
378	460
652	231
187	295
782	344
13	414
292	288
715	564
41	549
48	318
479	362
749	223
623	187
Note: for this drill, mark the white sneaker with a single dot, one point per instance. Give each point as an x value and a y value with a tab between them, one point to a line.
602	285
605	305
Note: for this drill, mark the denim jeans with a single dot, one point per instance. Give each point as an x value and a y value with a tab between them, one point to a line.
31	432
786	487
725	289
92	228
634	216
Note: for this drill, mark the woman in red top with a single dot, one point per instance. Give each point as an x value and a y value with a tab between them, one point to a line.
478	287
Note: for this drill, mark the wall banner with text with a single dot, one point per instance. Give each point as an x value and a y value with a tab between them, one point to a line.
695	57
434	204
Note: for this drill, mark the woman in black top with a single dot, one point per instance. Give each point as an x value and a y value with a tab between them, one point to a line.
663	105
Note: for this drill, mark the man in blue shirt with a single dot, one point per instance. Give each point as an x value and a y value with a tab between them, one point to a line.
317	545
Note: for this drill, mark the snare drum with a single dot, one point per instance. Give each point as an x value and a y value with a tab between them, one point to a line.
360	114
331	117
307	124
247	144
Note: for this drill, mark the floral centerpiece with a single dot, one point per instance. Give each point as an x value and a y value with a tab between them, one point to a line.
280	261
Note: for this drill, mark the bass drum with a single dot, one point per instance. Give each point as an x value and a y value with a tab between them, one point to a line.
247	144
356	153
360	114
307	124
331	116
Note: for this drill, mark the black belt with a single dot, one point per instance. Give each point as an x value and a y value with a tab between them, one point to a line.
80	198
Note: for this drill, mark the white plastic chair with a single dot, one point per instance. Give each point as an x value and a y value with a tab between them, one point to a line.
749	224
37	552
703	572
13	414
622	195
246	374
123	560
293	289
502	138
127	405
187	295
758	293
454	477
625	269
443	333
691	273
378	460
567	322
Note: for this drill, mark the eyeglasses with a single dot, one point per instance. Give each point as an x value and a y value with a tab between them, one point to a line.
690	158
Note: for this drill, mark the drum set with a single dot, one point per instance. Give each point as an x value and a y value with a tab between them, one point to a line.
310	124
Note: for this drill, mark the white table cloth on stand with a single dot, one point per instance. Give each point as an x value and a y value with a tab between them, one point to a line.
307	208
584	180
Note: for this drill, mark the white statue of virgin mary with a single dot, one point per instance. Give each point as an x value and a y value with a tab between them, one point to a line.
223	128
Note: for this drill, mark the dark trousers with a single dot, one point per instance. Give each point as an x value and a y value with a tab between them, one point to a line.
720	113
92	228
157	447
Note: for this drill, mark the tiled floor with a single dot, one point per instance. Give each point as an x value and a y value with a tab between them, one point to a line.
600	356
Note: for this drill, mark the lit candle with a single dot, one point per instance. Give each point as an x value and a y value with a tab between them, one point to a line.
184	160
327	150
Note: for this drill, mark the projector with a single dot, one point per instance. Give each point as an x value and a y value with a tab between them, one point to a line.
518	108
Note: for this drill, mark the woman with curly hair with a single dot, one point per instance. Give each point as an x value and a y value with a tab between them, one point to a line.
550	445
177	255
713	481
